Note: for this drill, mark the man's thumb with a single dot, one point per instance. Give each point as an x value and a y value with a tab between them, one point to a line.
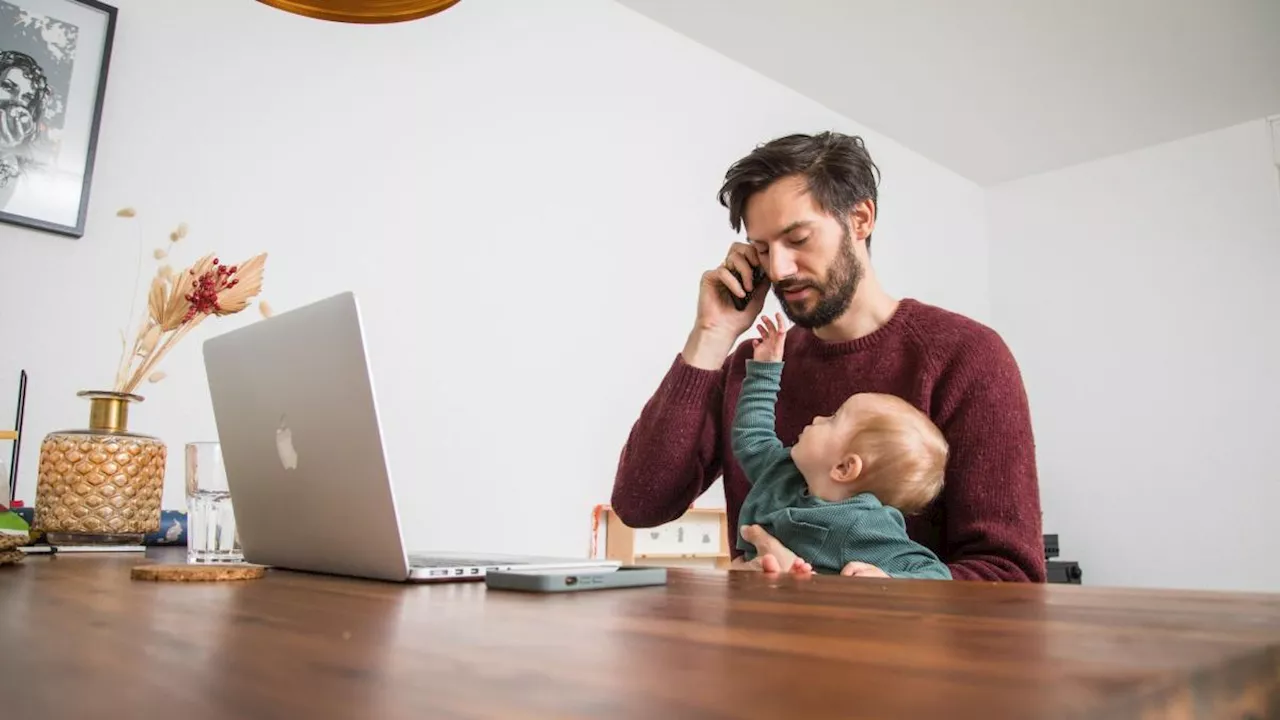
755	535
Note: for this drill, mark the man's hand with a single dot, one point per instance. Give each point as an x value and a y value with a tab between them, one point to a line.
861	569
768	347
718	323
771	555
769	565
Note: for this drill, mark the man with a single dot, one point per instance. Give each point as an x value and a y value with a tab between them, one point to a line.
808	207
23	90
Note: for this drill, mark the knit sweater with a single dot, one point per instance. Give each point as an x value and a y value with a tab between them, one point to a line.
985	524
826	534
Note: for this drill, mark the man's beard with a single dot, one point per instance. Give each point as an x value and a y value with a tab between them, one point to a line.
834	296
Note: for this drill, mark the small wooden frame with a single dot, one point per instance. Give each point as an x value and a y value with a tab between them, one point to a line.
657	546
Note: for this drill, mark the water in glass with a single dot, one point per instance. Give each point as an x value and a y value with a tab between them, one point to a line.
211	520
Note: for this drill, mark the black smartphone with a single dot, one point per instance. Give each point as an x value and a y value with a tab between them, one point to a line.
757	279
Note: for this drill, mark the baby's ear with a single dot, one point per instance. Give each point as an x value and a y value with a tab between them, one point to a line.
848	469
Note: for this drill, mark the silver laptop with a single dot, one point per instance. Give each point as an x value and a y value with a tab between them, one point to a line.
294	404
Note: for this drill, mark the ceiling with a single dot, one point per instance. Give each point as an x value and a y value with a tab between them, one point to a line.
1000	89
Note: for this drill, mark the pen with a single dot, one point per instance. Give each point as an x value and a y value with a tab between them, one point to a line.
17	443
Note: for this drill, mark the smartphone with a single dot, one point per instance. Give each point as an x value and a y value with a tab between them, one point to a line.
549	581
757	278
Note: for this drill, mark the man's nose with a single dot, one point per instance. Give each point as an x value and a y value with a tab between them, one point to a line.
781	265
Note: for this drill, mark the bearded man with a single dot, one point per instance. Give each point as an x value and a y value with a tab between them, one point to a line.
808	206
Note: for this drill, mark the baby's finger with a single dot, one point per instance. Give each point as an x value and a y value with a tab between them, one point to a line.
768	321
782	327
769	564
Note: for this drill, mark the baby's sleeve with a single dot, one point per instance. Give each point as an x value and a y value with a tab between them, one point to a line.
923	564
755	439
878	536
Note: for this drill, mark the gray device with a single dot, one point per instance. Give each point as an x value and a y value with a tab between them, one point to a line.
294	404
551	581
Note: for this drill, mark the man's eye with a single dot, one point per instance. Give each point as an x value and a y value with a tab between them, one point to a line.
800	241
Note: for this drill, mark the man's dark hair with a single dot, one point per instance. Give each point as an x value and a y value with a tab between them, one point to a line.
837	169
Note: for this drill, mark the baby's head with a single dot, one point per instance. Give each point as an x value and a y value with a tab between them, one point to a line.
874	443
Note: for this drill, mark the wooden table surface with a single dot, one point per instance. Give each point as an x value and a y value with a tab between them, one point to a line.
81	640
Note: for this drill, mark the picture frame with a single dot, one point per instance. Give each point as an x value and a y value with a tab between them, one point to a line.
54	60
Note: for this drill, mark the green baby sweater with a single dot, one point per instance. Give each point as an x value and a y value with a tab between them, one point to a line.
828	535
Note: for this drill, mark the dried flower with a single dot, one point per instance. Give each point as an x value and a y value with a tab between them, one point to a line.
244	283
127	212
179	301
265	308
157	298
149	341
224	289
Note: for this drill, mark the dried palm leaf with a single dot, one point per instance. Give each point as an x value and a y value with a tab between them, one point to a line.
242	284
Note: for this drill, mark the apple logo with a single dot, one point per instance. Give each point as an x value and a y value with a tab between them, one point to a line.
284	446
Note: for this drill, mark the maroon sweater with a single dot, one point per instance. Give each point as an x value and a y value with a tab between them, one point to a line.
986	523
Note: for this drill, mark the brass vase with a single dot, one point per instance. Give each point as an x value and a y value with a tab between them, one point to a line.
101	485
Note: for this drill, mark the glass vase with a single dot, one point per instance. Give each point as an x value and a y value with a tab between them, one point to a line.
101	485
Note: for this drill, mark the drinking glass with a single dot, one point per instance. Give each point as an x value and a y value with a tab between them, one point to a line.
211	521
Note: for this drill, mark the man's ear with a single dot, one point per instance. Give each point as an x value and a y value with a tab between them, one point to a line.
848	469
862	219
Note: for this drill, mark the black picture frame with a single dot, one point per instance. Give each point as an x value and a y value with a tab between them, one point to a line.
50	169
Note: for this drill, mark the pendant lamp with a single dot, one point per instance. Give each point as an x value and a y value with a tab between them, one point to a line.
363	11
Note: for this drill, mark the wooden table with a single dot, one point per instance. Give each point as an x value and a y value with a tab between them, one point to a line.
82	640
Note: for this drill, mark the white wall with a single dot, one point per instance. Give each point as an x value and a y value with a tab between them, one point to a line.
521	194
1136	293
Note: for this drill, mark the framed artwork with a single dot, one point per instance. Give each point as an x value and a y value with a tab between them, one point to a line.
54	56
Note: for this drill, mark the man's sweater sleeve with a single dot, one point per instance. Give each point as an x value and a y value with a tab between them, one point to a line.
991	492
755	438
673	452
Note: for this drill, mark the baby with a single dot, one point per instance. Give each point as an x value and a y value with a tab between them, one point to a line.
839	494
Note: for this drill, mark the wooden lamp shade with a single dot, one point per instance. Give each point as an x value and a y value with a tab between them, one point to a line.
363	11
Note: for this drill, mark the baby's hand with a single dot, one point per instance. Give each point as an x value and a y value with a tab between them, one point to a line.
768	347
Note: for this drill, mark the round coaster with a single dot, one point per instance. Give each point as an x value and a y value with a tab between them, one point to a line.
9	542
197	573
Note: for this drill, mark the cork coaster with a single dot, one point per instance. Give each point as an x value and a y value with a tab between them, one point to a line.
198	573
11	557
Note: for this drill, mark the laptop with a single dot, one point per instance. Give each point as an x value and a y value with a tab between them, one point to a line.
293	400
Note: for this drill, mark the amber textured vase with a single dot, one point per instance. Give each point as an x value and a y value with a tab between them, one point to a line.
101	485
